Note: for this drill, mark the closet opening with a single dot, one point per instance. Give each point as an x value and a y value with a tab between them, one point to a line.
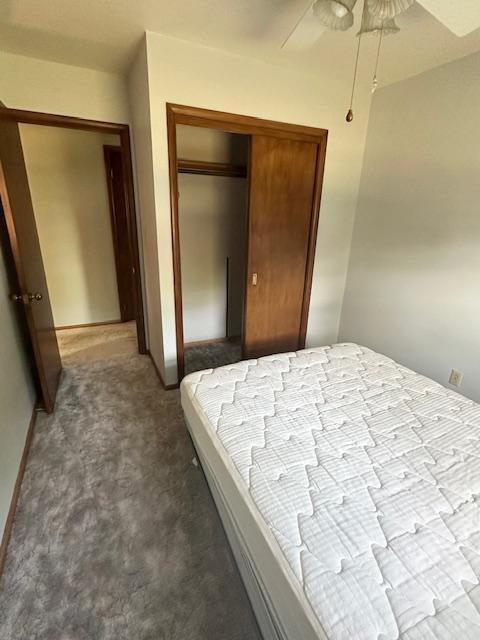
268	178
212	216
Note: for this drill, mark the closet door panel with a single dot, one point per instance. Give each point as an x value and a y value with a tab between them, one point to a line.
282	178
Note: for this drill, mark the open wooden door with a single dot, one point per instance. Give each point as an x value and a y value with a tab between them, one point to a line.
22	232
281	222
120	232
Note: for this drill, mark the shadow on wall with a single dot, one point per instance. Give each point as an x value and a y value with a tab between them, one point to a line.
212	229
412	287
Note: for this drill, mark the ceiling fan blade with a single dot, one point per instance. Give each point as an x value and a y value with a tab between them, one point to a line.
460	17
305	33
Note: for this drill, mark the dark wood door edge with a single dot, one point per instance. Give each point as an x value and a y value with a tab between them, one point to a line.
133	237
123	130
124	269
317	197
177	271
7	533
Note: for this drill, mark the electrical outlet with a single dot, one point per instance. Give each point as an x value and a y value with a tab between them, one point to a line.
456	378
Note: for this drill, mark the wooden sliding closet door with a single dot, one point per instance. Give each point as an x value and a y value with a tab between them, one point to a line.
282	180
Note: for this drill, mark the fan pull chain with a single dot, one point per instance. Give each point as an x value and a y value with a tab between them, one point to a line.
349	116
375	79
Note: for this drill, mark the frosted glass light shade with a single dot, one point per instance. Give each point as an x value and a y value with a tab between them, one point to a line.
374	25
335	14
387	9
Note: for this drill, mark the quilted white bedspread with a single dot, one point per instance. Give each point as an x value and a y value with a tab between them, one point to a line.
368	475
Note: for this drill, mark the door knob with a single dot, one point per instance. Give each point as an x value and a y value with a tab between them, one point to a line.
35	297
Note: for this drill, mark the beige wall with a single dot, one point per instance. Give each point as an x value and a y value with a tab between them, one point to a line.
185	73
40	85
66	174
212	213
138	91
210	145
212	219
413	282
16	397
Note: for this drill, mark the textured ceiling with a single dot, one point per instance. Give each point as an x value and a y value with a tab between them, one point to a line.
103	34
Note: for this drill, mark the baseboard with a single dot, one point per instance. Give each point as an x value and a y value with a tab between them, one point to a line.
88	324
167	387
16	492
203	343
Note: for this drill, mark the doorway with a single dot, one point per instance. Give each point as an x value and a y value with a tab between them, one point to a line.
75	259
284	175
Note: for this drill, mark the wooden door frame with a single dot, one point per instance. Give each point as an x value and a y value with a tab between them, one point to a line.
108	151
123	131
247	125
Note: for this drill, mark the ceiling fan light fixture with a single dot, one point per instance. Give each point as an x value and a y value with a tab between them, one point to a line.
339	9
373	25
335	14
388	9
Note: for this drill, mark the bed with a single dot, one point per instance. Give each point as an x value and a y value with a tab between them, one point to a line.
349	489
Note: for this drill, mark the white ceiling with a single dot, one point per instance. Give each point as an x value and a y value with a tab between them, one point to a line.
103	34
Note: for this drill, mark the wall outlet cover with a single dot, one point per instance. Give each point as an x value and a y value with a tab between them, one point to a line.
456	378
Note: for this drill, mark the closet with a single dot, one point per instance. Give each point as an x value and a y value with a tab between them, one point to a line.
212	190
281	166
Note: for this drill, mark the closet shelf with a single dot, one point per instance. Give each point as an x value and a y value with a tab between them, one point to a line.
199	167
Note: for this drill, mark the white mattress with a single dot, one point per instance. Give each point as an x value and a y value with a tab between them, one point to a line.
356	485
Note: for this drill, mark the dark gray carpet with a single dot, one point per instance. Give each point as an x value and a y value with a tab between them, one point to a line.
116	535
209	356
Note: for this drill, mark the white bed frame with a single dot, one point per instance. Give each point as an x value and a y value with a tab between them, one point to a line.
267	620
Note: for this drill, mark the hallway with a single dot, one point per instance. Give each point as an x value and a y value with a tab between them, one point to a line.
116	535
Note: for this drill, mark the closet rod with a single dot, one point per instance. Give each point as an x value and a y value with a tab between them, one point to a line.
200	167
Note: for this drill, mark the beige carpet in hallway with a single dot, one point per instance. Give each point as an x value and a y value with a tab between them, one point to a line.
90	344
116	535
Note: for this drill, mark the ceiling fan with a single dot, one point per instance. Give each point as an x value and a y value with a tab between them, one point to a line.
378	17
459	16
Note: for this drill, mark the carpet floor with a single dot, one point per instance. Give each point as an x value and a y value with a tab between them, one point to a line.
209	356
116	535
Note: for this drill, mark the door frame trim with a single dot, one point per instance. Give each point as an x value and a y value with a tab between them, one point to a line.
108	151
248	125
123	131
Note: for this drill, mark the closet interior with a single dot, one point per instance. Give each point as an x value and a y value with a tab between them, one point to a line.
212	211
